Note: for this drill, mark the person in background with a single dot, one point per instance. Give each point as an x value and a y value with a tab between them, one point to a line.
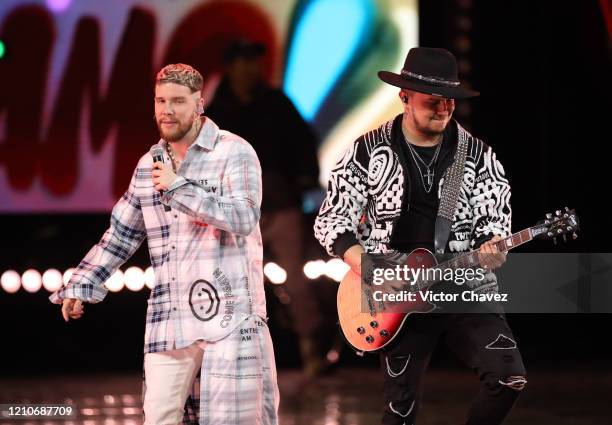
286	146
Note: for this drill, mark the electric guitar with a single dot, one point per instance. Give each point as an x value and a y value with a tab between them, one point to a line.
372	330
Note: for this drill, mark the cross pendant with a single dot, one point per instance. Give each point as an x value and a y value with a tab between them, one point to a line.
429	176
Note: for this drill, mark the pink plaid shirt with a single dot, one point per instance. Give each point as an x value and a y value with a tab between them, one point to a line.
206	251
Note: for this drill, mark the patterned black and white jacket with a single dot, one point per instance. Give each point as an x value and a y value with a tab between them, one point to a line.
366	191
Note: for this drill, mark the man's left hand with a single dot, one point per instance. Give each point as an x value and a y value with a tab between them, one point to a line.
489	256
163	176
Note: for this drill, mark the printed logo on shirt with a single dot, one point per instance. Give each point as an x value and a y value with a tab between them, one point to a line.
246	333
209	185
462	236
247	358
483	176
228	297
204	300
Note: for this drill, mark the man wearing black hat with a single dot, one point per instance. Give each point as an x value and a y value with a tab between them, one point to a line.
395	189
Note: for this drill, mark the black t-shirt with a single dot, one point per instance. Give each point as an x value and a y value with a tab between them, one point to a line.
284	142
415	226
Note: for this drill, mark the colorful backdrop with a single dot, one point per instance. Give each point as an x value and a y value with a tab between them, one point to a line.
76	81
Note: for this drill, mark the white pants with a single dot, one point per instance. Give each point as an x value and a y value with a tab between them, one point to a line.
237	385
169	378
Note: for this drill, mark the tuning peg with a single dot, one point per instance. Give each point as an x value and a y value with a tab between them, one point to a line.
548	216
559	231
558	213
574	235
568	228
566	209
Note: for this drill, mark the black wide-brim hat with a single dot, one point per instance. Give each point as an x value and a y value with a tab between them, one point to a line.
430	71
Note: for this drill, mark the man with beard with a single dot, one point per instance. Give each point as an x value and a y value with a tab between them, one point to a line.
391	192
199	211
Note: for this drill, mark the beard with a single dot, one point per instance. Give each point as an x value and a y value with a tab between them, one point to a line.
177	133
429	126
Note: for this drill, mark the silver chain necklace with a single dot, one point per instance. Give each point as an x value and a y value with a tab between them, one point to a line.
429	173
175	162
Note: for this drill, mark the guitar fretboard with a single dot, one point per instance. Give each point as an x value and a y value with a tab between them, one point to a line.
470	259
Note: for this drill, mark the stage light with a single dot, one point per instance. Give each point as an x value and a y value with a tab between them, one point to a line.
333	356
10	281
149	277
134	279
67	276
314	269
336	269
275	273
58	5
31	280
2	49
311	76
128	400
52	280
115	282
90	412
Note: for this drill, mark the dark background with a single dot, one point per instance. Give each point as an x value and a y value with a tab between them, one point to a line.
543	69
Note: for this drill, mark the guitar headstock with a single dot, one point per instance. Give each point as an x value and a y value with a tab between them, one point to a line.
561	223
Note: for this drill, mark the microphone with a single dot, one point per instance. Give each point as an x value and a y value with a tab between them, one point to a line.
157	152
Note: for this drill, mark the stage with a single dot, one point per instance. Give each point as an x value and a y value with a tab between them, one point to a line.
351	396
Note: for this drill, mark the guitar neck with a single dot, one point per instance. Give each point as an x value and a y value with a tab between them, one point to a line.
517	239
470	259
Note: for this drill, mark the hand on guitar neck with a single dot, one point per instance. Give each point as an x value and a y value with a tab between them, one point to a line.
352	257
489	256
368	335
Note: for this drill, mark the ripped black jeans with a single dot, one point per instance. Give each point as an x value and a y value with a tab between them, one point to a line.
482	341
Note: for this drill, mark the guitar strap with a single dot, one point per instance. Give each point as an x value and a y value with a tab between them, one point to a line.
450	194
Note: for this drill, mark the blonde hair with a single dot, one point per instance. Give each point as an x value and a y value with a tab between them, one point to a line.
179	73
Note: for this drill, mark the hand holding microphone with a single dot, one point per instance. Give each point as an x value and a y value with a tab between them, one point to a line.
162	173
163	176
